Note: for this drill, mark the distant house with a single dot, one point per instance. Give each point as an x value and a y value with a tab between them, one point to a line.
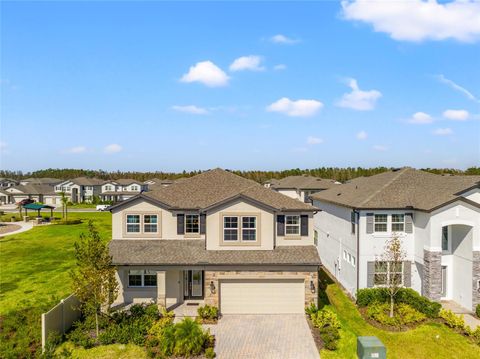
121	189
80	189
7	182
300	187
40	180
38	192
159	182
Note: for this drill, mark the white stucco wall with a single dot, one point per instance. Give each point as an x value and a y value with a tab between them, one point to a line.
473	195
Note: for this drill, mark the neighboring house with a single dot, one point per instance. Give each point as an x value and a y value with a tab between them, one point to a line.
157	182
437	218
301	187
38	192
121	189
40	180
80	189
7	182
216	238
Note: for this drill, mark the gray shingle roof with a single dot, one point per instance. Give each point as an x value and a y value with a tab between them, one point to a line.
87	181
303	182
217	186
403	188
41	180
126	181
34	189
193	252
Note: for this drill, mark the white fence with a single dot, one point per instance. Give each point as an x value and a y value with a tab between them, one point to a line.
60	318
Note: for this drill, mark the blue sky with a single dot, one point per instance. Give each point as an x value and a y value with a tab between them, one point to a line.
155	86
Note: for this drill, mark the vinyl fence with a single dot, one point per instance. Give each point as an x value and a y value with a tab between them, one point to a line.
60	318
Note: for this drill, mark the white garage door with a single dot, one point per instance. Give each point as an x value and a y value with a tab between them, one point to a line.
263	296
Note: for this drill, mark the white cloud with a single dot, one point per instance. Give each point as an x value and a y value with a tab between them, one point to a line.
280	67
456	115
380	148
314	140
358	99
457	87
192	109
420	118
77	149
251	62
298	108
419	20
443	131
282	39
113	148
207	73
362	135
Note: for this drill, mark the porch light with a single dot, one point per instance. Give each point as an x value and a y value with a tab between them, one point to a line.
212	287
312	286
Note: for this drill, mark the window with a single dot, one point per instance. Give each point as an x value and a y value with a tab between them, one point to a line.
445	240
387	273
345	255
108	188
134	188
352	221
192	224
315	237
353	261
381	222
249	228
398	222
142	278
349	258
150	223
133	223
230	228
292	225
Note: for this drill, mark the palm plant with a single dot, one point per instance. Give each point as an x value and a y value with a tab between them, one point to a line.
189	338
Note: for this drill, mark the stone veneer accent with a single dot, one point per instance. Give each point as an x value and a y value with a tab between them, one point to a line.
432	275
212	298
475	279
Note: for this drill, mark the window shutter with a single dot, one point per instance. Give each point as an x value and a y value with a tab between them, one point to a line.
369	223
370	274
280	225
304	225
203	223
407	274
408	222
180	223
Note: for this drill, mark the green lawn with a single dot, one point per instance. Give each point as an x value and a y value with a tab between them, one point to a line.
34	276
427	341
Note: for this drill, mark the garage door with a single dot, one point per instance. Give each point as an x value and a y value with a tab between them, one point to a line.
262	296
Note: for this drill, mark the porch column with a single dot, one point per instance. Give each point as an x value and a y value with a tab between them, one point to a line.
162	289
432	274
475	279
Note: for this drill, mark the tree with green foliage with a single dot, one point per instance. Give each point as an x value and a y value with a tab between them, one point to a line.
94	282
64	200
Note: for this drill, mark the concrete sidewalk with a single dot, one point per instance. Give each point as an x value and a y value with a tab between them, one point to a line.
25	226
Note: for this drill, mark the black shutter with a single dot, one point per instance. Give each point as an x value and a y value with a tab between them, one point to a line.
203	223
304	225
280	225
180	223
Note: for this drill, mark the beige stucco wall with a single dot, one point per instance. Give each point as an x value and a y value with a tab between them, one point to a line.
298	240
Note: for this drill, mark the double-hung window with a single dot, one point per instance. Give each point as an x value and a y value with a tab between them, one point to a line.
292	225
142	278
381	222
242	228
145	223
133	223
150	223
388	273
192	223
230	228
249	228
398	222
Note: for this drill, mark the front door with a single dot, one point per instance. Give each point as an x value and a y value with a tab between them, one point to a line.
444	281
193	284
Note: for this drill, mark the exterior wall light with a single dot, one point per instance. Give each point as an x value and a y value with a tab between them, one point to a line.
212	287
312	286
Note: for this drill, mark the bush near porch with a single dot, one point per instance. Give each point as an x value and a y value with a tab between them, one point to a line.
429	340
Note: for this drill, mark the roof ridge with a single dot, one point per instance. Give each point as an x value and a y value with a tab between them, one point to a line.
396	177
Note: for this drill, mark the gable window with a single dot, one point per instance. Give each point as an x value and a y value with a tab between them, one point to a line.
352	221
292	225
150	223
445	240
192	223
381	222
249	228
133	223
398	222
142	278
230	228
387	273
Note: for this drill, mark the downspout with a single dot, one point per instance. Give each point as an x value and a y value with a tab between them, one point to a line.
358	249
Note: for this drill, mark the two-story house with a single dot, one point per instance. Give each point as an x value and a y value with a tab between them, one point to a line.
436	217
301	187
80	189
216	238
121	189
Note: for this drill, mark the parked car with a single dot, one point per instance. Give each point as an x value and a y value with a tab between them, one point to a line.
25	201
102	207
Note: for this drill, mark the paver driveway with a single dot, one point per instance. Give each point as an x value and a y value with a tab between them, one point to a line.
284	336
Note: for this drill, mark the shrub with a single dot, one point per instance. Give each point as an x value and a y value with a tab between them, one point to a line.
476	336
80	336
403	315
325	318
452	320
210	353
408	315
189	338
477	310
367	296
311	310
330	336
208	312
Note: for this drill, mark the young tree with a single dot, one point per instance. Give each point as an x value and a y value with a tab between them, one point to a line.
64	205
94	281
392	262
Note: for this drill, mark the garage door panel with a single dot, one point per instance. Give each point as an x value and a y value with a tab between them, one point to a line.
262	296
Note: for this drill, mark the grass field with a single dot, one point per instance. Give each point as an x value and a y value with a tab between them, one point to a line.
34	276
428	341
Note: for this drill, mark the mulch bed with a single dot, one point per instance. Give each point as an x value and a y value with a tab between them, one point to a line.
7	228
316	335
